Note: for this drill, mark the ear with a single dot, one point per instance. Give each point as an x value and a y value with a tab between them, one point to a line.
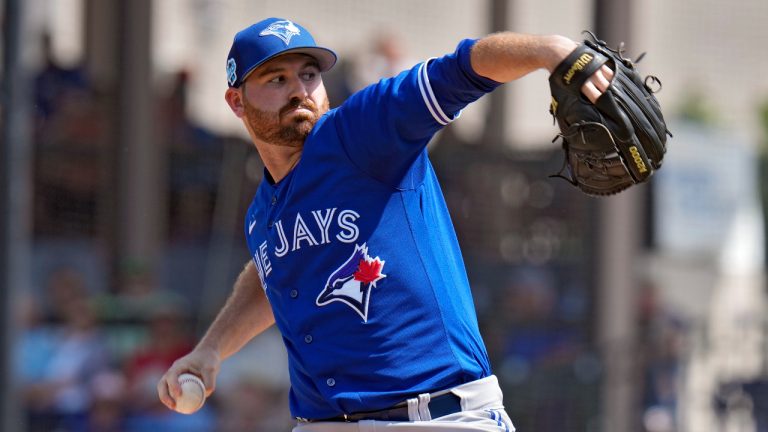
234	98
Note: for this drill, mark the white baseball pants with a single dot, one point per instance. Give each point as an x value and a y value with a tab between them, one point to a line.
482	410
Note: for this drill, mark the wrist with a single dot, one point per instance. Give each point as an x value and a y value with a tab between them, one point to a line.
209	347
557	49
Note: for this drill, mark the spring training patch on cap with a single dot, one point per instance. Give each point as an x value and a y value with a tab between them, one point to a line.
285	30
231	71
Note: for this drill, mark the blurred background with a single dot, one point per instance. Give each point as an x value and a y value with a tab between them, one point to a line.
125	180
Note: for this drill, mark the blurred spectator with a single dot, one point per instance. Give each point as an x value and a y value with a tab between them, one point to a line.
550	379
169	337
150	327
195	156
137	297
384	56
39	320
61	397
62	285
662	379
68	130
536	334
35	344
663	337
107	413
54	80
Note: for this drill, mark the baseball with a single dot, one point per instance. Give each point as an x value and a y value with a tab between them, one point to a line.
192	394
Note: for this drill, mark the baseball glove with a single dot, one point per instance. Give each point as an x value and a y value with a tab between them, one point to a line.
618	141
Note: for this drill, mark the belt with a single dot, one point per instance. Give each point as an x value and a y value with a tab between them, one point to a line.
439	406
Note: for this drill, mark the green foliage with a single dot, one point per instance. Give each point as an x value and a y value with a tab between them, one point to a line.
695	108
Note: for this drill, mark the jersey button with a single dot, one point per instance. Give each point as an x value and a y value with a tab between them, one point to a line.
270	224
331	382
274	200
294	293
308	338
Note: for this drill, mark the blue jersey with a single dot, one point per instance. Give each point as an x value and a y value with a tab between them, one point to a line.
357	253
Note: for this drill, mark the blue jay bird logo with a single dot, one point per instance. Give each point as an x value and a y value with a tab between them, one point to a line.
352	282
283	29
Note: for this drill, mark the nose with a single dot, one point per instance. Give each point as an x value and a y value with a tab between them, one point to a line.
298	89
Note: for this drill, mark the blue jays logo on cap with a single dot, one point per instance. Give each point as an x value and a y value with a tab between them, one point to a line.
284	29
267	39
351	283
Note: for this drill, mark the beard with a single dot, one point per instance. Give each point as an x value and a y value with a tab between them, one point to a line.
268	127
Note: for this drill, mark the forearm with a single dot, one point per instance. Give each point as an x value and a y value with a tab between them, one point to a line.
246	314
507	56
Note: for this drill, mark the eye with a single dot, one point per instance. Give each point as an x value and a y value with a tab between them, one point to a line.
277	79
308	76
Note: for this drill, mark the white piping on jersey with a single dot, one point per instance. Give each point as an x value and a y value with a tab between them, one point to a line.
429	96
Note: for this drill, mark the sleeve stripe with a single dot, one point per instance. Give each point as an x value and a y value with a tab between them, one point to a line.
429	96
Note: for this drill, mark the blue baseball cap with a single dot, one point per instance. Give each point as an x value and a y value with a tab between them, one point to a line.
268	39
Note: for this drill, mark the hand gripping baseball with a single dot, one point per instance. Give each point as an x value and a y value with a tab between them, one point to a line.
203	363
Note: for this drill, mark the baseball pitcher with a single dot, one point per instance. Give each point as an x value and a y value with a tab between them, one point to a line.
353	254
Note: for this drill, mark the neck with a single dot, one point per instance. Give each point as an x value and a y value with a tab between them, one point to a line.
279	160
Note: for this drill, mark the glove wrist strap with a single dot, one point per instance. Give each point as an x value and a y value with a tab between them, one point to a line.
572	72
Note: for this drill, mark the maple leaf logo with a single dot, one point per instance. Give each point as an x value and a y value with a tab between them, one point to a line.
352	282
369	271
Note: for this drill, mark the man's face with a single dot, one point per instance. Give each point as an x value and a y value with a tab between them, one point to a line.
283	99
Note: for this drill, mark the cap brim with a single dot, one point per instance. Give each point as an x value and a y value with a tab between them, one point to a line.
325	57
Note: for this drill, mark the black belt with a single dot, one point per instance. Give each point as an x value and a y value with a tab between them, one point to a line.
439	406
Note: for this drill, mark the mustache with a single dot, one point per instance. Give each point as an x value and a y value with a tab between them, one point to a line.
299	103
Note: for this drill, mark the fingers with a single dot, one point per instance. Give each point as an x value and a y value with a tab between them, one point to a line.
600	80
168	388
607	72
204	363
590	91
164	393
208	375
597	84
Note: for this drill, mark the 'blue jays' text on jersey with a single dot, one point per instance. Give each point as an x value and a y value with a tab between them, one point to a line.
357	252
